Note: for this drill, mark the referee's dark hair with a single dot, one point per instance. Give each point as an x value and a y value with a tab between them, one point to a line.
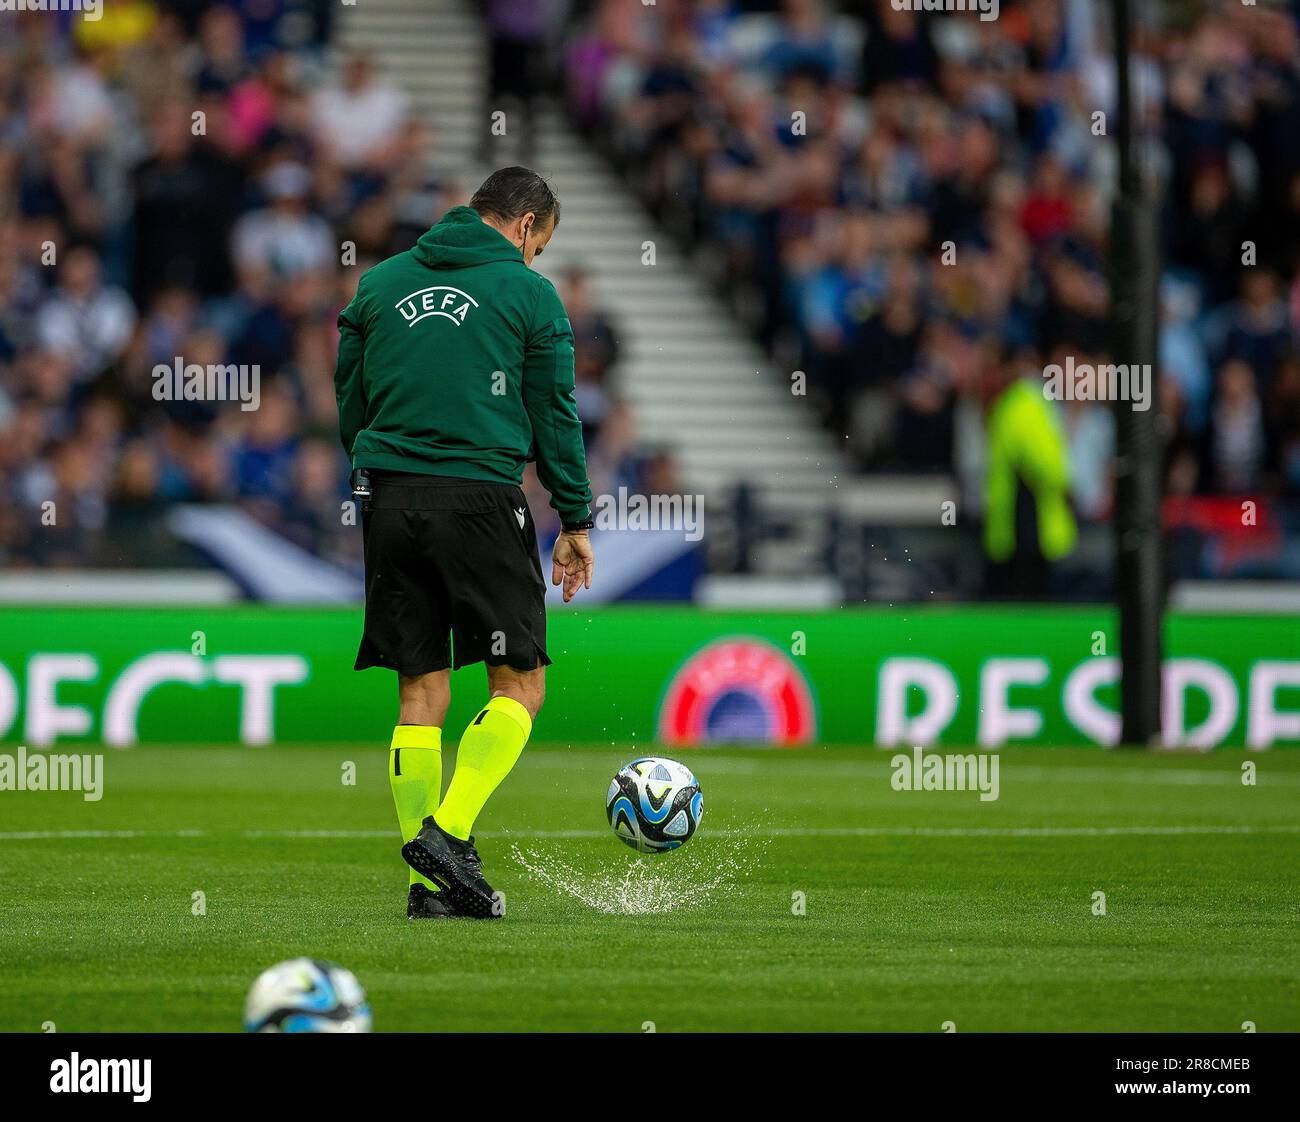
511	192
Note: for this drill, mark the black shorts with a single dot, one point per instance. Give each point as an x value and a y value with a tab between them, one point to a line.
451	567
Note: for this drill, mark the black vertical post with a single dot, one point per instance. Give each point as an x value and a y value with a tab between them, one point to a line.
1134	334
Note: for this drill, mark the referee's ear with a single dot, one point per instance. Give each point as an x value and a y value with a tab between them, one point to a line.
520	228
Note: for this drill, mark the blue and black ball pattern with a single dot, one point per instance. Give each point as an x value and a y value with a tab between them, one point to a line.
651	809
307	997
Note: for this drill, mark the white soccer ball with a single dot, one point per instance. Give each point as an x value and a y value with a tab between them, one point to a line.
306	995
654	804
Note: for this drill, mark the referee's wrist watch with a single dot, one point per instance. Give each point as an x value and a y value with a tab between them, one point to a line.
578	527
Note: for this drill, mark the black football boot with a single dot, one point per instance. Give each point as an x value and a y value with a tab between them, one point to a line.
424	903
453	864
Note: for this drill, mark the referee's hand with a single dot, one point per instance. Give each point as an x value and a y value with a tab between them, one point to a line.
572	562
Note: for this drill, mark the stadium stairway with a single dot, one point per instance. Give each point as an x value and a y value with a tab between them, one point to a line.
698	384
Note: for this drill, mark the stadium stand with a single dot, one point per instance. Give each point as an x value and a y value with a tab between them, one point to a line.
909	210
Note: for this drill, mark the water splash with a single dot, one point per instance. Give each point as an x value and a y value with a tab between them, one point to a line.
687	878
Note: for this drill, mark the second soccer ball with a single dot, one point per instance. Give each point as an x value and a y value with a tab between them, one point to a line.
306	995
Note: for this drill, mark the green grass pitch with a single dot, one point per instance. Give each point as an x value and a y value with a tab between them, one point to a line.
921	908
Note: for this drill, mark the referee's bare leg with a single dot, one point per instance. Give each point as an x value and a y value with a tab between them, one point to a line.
528	687
423	700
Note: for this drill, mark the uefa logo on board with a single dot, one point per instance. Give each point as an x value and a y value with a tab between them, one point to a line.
738	691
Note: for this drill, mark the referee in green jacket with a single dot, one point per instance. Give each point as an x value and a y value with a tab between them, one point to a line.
455	369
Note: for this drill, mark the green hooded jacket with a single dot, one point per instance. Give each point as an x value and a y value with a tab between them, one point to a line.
456	359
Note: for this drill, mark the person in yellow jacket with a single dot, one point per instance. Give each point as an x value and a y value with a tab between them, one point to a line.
116	25
1028	522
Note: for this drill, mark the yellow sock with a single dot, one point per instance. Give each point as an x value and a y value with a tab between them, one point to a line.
487	752
415	774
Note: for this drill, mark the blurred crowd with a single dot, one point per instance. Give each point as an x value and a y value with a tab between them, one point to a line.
911	207
187	181
914	208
